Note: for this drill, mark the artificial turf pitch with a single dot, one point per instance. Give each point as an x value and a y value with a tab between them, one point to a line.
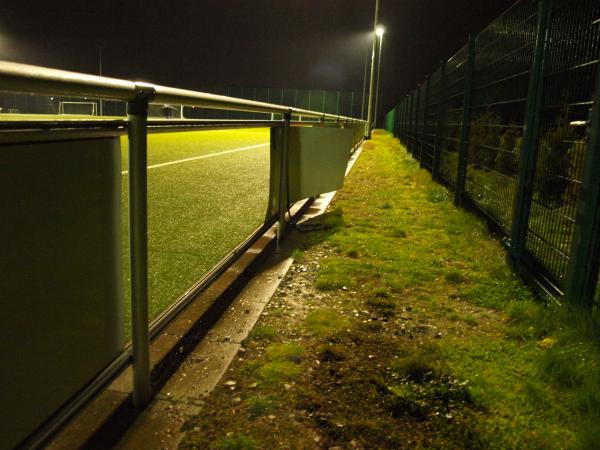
198	210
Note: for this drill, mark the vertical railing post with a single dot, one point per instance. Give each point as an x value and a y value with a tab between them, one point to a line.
439	129
283	178
527	163
424	129
466	124
584	264
137	119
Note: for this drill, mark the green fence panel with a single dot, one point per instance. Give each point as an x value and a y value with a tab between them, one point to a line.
471	126
390	120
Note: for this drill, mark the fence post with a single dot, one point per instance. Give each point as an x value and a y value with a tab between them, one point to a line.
527	163
137	129
466	124
398	120
283	178
424	130
439	132
411	122
403	122
408	122
417	108
408	101
584	264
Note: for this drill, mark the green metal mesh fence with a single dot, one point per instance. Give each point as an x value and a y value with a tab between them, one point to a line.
451	120
505	122
430	119
349	104
570	70
499	98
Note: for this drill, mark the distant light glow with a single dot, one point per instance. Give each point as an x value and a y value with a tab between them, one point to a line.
380	30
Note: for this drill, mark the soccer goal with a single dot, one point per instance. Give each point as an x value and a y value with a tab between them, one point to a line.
78	108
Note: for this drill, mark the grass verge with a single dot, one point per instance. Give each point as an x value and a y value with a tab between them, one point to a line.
403	327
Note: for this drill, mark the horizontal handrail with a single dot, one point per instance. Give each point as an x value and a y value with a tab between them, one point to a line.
24	78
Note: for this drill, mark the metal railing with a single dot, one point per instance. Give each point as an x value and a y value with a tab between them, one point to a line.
20	78
510	112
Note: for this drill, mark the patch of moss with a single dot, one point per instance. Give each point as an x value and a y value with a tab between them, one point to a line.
325	321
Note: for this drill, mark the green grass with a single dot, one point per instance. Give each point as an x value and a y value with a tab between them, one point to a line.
263	333
283	363
259	405
198	211
325	322
434	343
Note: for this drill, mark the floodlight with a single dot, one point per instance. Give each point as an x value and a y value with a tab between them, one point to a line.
380	30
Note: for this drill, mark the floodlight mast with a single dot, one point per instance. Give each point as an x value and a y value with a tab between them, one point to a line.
100	73
379	32
370	108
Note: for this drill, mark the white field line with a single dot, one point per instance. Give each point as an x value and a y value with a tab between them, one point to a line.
180	161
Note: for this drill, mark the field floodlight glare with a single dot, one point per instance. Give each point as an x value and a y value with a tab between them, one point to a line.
380	30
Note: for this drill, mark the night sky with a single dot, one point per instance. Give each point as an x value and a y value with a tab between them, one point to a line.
318	44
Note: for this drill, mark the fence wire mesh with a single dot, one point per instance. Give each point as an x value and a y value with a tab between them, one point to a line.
342	103
570	70
430	119
452	115
500	99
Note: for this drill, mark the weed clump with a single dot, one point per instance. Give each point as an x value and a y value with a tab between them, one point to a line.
437	194
283	363
334	218
399	233
352	253
415	368
324	322
454	277
332	276
382	307
239	442
258	406
297	255
263	333
332	352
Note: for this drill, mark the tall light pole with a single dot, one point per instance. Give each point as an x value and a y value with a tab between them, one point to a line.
370	109
101	112
364	92
379	32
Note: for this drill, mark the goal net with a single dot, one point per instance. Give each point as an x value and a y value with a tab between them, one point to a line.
78	108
